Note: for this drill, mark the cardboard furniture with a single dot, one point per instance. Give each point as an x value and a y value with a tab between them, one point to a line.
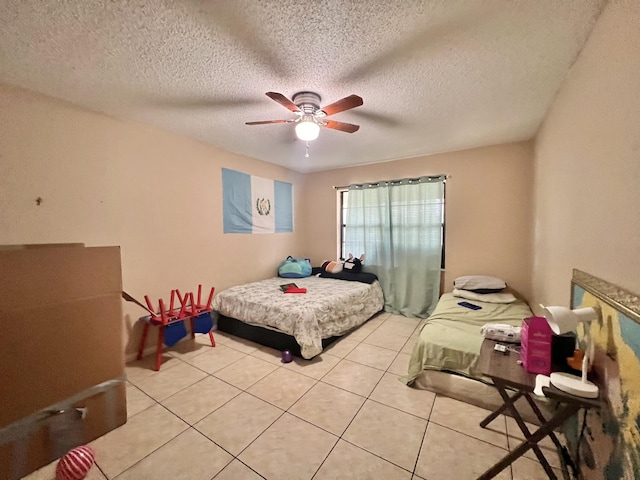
61	354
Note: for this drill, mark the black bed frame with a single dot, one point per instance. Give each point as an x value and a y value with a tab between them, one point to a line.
269	338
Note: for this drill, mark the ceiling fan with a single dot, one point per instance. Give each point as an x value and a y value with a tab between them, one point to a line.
310	116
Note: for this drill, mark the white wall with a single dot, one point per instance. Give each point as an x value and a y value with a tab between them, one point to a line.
488	209
109	182
587	165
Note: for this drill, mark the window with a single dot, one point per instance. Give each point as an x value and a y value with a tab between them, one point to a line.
438	233
399	225
343	195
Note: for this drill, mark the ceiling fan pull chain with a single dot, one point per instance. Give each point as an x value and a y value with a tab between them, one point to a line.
306	154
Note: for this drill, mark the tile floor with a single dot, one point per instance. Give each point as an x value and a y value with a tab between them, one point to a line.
235	412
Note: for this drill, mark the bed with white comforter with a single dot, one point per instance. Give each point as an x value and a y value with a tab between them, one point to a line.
330	308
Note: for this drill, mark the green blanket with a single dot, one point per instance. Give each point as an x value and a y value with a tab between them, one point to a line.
450	338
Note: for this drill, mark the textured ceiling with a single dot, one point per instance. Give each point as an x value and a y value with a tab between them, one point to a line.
435	75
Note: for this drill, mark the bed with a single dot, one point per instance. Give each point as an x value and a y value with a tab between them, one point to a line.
445	355
303	323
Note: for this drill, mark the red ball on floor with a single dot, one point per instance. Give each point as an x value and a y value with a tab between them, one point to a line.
75	464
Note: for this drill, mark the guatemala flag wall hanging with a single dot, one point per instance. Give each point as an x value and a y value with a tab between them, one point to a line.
253	204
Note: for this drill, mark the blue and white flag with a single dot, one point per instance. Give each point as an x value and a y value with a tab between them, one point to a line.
253	204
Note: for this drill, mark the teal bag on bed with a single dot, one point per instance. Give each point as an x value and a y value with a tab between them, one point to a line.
295	268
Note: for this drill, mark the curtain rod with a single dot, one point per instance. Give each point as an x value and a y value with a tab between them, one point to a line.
341	187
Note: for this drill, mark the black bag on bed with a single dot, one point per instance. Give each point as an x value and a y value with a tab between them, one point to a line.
363	277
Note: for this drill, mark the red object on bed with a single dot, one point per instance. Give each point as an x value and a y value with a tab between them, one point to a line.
292	289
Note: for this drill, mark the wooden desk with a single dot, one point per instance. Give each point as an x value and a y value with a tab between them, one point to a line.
507	373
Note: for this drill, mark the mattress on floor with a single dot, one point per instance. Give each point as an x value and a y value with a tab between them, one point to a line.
450	337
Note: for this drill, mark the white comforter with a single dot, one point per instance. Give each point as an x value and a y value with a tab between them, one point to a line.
330	307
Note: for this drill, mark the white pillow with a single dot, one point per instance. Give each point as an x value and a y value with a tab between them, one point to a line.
479	282
485	297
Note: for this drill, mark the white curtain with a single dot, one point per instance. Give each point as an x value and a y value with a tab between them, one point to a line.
399	226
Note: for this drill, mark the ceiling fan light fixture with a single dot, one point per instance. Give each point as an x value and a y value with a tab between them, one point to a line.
307	129
310	116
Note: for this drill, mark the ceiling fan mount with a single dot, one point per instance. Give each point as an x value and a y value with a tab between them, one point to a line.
310	116
308	102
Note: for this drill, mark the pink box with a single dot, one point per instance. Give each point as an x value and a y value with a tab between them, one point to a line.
535	338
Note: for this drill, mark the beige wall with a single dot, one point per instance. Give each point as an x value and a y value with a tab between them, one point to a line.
488	209
158	196
109	182
587	165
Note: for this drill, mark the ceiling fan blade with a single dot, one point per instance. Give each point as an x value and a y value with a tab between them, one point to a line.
346	103
284	101
269	121
343	127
